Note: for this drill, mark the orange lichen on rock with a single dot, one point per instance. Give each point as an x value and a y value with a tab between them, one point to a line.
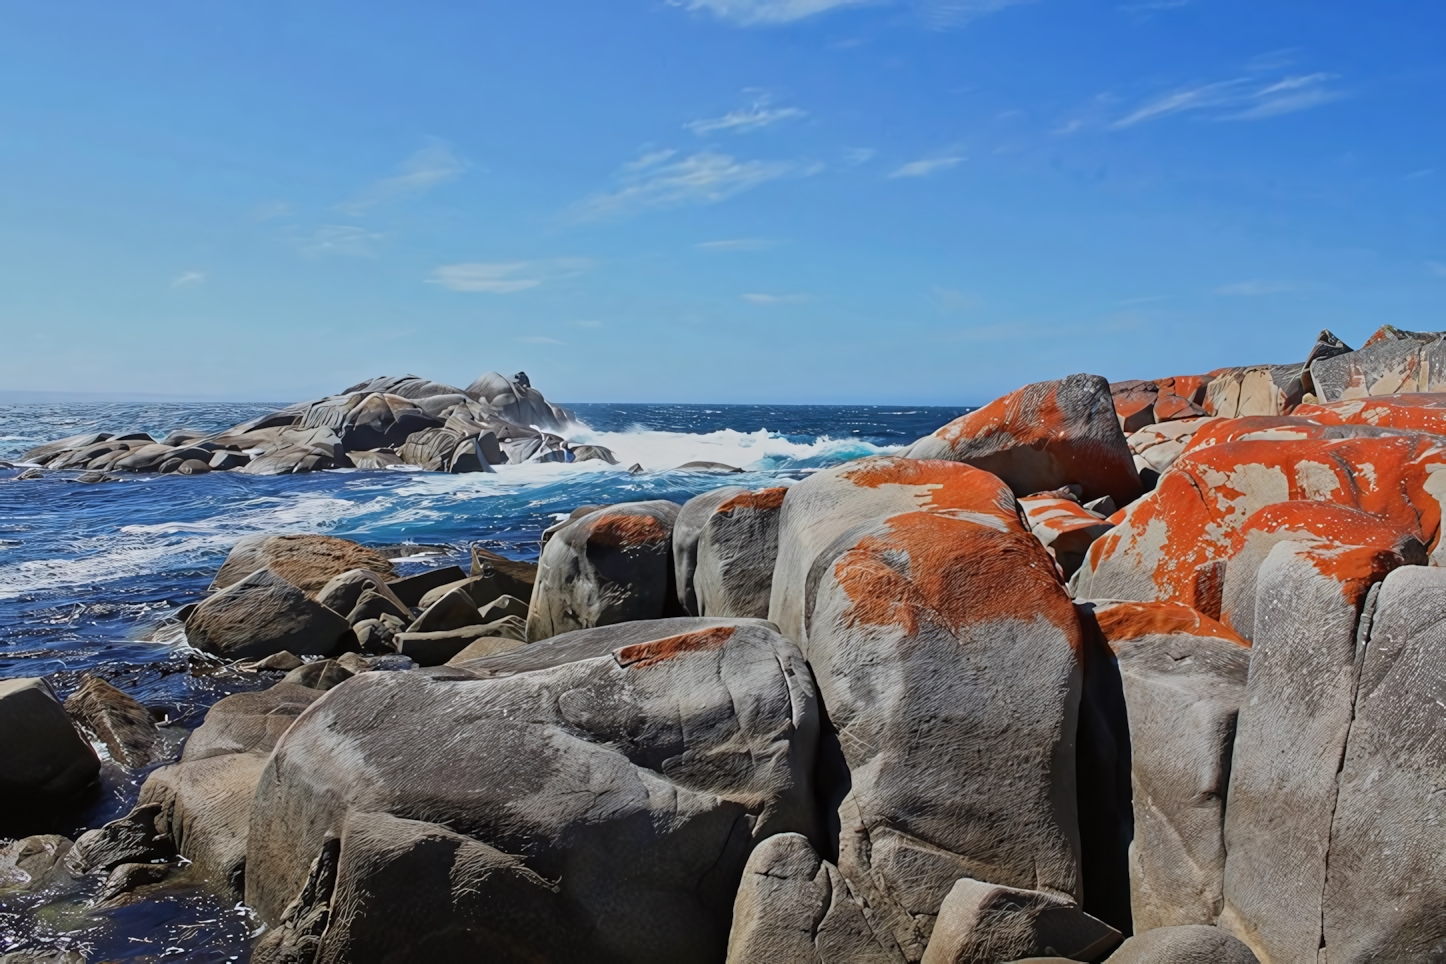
643	655
1326	522
954	573
1122	622
1195	513
764	500
1257	427
617	529
1058	515
947	486
1419	412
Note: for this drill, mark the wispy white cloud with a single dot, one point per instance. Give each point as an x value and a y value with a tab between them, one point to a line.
417	175
188	279
1238	99
505	277
926	166
1147	7
588	323
854	156
737	244
944	14
1255	288
1424	172
342	239
750	118
937	14
539	340
759	298
1437	268
662	179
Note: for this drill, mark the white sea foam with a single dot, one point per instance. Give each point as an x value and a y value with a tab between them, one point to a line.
657	450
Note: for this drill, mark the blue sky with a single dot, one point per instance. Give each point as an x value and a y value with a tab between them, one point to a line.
709	200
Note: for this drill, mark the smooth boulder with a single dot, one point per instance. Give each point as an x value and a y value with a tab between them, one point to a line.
45	764
306	561
261	615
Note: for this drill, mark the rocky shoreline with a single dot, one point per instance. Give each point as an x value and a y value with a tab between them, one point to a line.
1146	672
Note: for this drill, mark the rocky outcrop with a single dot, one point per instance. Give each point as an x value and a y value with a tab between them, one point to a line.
609	566
1187	944
264	614
724	546
1390	362
1043	437
579	811
45	764
308	562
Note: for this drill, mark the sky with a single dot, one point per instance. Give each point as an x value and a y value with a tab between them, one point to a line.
787	201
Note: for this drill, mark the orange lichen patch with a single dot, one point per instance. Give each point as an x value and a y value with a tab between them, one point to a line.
1189	387
1278	427
1059	515
1416	412
1383	333
1325	522
1356	568
1133	402
643	655
949	486
1026	415
1171	406
951	572
1136	620
617	529
764	500
1192	516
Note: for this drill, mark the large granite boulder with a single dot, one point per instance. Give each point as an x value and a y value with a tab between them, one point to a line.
580	811
45	764
261	615
1043	437
1184	679
1186	944
1064	527
724	546
383	421
945	650
116	719
308	562
1424	412
609	566
1390	362
687	530
515	400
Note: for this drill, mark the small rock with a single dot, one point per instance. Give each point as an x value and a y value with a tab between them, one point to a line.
453	611
32	863
122	724
29	474
374	605
127	840
411	589
44	762
126	878
503	606
320	675
282	662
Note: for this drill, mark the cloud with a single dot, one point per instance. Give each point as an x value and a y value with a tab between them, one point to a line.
766	299
188	279
1437	268
854	156
417	175
539	340
926	166
1255	288
658	179
943	14
588	324
951	300
342	239
505	277
737	244
750	118
937	14
1239	99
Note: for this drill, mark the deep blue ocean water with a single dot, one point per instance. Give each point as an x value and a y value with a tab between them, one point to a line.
90	573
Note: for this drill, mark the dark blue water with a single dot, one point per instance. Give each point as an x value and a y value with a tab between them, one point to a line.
90	573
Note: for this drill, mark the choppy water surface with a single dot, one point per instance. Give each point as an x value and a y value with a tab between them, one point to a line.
90	573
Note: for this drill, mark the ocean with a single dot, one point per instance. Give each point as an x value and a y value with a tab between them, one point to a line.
90	574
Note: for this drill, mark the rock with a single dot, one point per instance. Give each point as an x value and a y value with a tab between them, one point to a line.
354	663
715	468
122	724
411	589
944	648
794	906
282	662
381	420
1425	412
45	765
515	578
374	460
374	635
321	675
91	478
193	467
623	841
125	879
33	863
436	648
610	566
503	606
453	610
1041	437
1184	680
592	453
1383	890
1188	944
248	722
405	386
372	605
306	561
1065	528
983	923
43	453
261	615
29	475
1134	404
223	460
1252	390
134	838
728	539
687	530
204	807
343	592
557	527
484	646
431	449
518	403
1170	545
1391	362
1158	446
1311	614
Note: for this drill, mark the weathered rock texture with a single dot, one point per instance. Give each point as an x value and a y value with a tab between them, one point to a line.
264	614
45	765
724	546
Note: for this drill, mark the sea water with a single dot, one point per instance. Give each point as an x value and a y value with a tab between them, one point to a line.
90	575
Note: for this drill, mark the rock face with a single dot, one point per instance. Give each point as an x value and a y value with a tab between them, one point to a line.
1187	944
1173	545
1042	437
1184	680
1065	528
724	547
609	566
934	623
1405	413
123	725
589	813
261	615
308	562
45	765
982	923
1391	361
